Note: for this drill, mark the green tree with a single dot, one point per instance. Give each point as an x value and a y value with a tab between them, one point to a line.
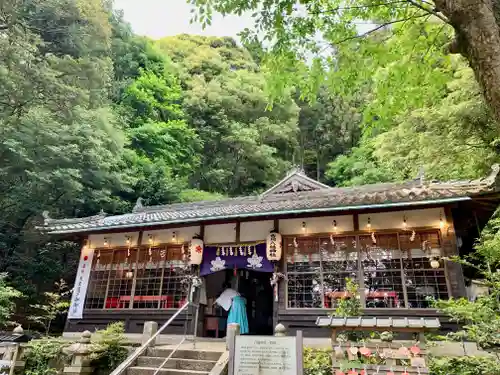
56	304
246	145
8	295
292	30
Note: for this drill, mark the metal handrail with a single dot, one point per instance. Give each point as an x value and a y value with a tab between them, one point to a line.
122	367
170	356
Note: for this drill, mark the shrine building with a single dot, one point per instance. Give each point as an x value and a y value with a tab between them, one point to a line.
288	251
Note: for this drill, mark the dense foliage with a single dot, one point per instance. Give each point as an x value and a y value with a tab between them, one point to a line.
108	350
93	117
45	356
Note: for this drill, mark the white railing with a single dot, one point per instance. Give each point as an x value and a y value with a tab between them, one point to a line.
122	367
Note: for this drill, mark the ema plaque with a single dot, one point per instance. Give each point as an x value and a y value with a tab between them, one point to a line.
266	355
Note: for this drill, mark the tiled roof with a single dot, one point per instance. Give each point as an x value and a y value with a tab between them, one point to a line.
356	322
296	193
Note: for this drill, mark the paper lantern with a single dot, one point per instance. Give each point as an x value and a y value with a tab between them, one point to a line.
273	248
196	251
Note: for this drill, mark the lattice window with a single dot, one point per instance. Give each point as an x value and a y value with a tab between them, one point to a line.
145	278
174	273
396	269
381	263
421	280
98	281
339	261
317	269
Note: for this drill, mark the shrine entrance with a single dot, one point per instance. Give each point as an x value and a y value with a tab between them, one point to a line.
254	286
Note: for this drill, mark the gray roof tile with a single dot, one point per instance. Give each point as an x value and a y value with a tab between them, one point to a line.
295	193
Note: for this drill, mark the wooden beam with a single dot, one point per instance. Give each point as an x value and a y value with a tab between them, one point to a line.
355	222
238	231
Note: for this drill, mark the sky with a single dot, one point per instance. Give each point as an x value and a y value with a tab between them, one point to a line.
159	18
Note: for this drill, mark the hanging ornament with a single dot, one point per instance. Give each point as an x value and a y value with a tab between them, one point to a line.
365	351
412	237
403	351
196	251
242	253
273	246
415	350
218	251
163	253
231	250
332	241
255	250
374	239
295	243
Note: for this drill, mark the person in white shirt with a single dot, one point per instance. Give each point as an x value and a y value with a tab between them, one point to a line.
230	300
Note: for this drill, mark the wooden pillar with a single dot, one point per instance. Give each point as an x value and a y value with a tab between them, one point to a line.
279	268
453	270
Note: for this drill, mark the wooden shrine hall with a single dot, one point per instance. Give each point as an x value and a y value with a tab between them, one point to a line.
288	251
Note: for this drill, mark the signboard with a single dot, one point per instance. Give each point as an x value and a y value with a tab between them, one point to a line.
267	355
81	284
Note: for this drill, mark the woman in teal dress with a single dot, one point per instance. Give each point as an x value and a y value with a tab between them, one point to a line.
238	314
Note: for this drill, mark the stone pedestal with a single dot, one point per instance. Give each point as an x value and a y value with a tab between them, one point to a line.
80	356
280	330
150	329
233	330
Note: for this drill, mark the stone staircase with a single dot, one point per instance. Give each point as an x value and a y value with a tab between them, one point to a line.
183	362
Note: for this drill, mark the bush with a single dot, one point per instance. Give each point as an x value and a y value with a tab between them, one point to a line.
108	350
317	361
468	365
45	356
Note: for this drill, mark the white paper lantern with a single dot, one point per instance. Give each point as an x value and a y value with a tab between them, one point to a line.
273	246
196	251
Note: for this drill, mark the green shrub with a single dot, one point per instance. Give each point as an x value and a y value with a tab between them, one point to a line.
317	361
467	365
45	356
108	350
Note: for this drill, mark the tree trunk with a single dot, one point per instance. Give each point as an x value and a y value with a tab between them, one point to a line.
478	40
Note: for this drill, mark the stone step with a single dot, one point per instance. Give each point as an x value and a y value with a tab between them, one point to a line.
176	363
138	370
206	355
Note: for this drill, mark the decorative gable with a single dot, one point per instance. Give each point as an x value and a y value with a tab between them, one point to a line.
295	181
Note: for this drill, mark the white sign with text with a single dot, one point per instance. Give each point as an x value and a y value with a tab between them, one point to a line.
265	355
81	284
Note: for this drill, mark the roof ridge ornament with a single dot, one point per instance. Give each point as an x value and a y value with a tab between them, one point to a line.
421	175
295	181
138	205
492	178
46	217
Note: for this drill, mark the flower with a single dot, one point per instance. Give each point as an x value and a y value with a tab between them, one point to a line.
217	264
198	249
255	261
